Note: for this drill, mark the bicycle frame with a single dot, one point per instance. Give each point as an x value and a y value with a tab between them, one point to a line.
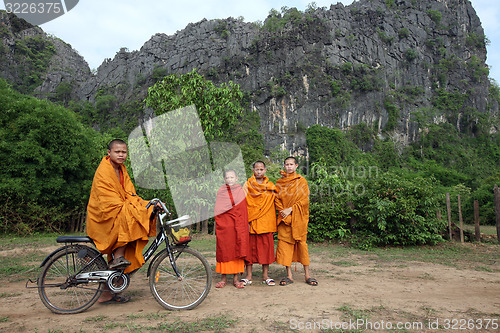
73	277
104	275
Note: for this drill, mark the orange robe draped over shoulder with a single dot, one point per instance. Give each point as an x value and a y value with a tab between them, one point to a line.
231	223
293	191
116	216
261	207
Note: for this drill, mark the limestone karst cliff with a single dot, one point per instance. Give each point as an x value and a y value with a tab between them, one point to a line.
382	63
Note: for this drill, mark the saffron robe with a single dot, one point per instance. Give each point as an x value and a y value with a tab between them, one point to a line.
116	216
293	191
260	203
262	218
231	223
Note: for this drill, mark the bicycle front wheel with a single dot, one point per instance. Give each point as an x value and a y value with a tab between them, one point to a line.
184	292
57	287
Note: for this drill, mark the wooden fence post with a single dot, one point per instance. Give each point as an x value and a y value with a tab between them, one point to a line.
476	220
460	220
496	192
448	207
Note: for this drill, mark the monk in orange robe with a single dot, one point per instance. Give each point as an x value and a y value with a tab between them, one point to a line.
231	228
117	219
292	203
261	194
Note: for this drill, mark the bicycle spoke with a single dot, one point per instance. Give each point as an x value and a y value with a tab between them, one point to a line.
189	289
58	289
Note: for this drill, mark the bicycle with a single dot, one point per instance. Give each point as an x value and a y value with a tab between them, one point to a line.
74	276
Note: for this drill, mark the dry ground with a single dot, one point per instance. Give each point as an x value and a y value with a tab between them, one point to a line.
373	289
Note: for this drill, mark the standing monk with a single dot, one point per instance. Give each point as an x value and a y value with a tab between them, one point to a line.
261	194
231	229
117	219
292	203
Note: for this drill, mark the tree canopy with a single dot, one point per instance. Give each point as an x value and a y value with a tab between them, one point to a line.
47	157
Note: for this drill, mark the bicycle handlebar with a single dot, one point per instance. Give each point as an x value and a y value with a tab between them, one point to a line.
155	201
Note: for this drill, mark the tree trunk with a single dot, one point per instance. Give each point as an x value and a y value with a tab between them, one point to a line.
460	220
496	191
448	207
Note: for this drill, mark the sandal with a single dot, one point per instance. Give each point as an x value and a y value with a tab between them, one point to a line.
119	263
117	299
220	284
312	282
246	282
286	281
239	285
269	282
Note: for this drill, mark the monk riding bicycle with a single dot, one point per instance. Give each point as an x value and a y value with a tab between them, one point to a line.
74	276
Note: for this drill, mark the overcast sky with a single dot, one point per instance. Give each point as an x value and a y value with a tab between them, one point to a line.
97	29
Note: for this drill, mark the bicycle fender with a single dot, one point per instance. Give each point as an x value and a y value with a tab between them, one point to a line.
62	249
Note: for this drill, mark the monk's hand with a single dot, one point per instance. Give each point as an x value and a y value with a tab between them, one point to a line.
285	212
158	207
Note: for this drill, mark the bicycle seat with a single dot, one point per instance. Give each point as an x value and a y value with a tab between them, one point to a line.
74	239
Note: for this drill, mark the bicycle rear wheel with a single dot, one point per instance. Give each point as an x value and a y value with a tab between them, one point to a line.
187	291
57	287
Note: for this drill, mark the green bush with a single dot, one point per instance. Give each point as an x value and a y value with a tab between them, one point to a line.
47	162
397	211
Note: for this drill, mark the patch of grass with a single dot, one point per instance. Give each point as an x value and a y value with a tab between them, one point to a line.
148	315
10	242
280	326
212	324
429	311
485	229
19	268
7	295
451	254
112	325
354	314
4	319
95	319
203	243
345	263
485	269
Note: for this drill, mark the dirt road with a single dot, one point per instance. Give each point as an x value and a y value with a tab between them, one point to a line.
358	292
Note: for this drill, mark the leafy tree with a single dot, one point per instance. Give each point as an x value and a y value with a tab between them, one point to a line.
47	162
221	114
219	108
330	144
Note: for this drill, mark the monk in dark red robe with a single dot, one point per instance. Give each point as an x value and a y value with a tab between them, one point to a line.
231	228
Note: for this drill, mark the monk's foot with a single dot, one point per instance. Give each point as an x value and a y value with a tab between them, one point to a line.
119	263
221	284
246	282
286	281
269	282
105	297
116	299
312	281
239	285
